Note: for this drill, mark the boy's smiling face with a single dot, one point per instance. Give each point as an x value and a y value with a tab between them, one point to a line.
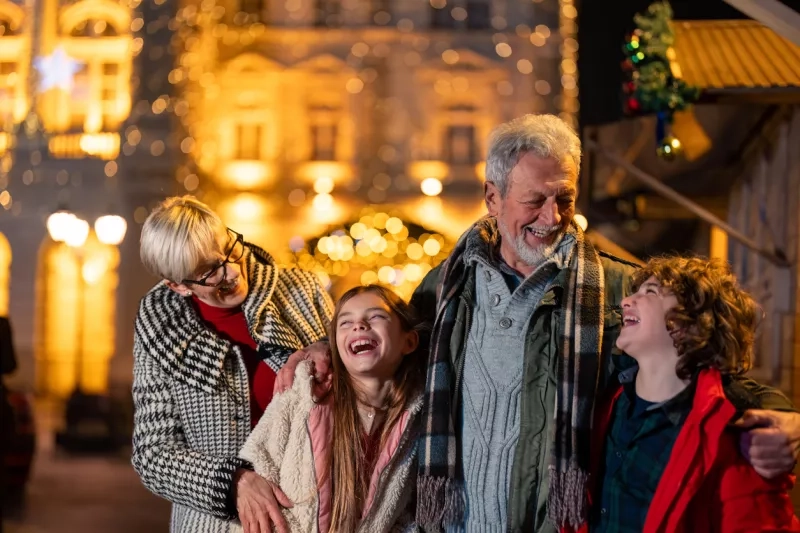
644	325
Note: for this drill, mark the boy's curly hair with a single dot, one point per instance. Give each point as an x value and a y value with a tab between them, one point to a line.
714	322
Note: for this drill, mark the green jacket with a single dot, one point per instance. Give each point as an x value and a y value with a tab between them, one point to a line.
529	478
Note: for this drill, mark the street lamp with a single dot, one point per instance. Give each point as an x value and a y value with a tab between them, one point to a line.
110	229
76	233
90	422
58	224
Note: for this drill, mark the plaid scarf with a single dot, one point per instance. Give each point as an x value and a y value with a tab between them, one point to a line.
440	501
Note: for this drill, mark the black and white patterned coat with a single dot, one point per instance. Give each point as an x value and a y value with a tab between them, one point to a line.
191	392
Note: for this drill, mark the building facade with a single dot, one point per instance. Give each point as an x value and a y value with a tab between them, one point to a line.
345	136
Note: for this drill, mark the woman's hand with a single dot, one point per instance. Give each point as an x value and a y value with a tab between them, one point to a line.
259	503
320	357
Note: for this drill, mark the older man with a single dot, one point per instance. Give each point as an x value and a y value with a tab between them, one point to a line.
526	318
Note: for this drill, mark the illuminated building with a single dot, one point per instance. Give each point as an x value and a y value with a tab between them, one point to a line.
304	122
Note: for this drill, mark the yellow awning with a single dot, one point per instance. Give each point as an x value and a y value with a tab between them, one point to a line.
734	54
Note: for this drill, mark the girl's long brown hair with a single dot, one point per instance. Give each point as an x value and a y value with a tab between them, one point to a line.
350	476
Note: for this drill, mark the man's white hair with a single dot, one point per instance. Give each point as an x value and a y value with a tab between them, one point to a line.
543	135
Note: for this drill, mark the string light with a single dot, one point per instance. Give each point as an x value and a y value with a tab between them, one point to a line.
377	248
568	29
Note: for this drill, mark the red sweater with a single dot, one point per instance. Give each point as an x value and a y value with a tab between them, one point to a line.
230	324
707	485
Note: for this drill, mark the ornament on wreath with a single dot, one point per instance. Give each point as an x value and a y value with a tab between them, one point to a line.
670	148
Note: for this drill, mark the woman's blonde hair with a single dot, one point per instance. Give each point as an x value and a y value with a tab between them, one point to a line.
179	236
350	476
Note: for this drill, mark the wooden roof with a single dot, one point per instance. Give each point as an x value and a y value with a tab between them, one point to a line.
735	55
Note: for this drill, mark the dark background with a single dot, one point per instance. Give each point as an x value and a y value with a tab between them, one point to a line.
602	27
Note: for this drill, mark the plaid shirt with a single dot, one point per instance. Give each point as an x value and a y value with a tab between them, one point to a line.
637	448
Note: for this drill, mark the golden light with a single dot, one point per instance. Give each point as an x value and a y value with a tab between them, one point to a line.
358	230
322	202
104	145
369	277
450	57
58	225
5	265
415	251
503	49
420	170
386	274
324	185
110	229
581	221
336	171
246	175
94	269
568	28
394	225
480	170
77	232
248	214
354	85
75	322
431	187
431	247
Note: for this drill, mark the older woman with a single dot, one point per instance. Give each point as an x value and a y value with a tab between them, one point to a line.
208	342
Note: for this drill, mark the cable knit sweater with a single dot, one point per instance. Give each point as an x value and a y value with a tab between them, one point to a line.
289	445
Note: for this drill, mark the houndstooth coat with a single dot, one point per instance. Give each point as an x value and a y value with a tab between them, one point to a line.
191	391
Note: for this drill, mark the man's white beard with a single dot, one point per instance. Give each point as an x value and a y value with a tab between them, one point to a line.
533	257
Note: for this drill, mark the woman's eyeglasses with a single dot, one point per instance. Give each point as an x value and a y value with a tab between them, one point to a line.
217	273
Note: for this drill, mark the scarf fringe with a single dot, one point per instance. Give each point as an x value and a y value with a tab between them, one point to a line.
440	502
566	501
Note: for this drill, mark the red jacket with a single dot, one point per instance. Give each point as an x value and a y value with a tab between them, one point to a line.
707	484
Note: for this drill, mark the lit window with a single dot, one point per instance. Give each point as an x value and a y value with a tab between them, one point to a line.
329	13
248	141
93	28
459	145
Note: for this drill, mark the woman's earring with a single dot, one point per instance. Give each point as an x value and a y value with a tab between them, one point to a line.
188	293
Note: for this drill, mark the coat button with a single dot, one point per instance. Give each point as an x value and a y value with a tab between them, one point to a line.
505	323
495	299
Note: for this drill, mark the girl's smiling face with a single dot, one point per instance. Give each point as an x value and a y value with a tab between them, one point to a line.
370	337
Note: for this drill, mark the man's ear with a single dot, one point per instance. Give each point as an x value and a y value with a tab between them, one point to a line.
180	288
493	198
412	341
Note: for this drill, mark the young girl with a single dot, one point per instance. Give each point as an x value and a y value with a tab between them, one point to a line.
666	457
346	462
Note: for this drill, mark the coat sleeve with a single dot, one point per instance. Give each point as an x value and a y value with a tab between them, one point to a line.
747	503
165	462
766	396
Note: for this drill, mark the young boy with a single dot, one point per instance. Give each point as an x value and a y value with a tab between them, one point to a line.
666	459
